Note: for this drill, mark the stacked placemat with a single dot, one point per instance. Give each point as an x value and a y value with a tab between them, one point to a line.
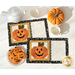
40	47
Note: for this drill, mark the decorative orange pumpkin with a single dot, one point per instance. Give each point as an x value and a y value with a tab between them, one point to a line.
16	55
20	34
39	52
55	16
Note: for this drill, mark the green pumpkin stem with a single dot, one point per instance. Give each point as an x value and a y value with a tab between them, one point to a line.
22	26
56	15
40	44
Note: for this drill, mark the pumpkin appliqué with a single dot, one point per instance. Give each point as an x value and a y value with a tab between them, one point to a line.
55	16
39	52
20	34
16	55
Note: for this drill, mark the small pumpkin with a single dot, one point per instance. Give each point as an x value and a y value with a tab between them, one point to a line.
16	55
39	52
20	34
55	16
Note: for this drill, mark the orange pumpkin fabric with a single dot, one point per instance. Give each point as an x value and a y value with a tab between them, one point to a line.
20	34
55	16
16	55
39	52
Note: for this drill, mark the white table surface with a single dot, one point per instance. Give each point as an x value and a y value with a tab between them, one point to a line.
67	31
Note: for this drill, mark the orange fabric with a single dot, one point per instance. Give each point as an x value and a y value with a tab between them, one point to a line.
39	52
20	34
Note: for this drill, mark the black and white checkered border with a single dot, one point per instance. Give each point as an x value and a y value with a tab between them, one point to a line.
50	39
26	21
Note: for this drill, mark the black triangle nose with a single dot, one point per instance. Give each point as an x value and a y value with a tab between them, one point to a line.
39	51
20	34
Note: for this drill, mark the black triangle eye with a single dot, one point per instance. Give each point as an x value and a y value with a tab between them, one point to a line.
41	49
18	32
37	49
22	31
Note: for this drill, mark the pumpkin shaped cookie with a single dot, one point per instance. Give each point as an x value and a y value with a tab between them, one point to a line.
14	59
14	51
39	52
16	55
20	34
17	49
11	52
55	16
21	55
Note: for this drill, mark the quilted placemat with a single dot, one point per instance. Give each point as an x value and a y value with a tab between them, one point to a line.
46	50
19	32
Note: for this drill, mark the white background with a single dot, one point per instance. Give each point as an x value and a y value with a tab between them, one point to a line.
5	4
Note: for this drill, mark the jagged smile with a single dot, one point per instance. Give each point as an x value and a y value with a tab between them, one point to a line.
21	37
39	55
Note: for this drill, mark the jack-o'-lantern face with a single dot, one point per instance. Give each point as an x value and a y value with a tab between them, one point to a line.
21	55
20	34
39	52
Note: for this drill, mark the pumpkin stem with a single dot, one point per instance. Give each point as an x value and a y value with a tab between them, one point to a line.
39	43
19	27
56	15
